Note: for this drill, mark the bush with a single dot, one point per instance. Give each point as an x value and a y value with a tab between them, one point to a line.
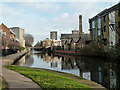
92	50
22	48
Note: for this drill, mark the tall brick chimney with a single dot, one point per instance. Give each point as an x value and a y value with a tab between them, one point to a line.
80	25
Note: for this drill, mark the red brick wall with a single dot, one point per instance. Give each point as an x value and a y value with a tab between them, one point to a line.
5	29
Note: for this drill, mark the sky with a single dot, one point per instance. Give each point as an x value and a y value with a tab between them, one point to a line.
39	18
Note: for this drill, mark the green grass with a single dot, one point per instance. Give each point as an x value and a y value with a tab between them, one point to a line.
47	79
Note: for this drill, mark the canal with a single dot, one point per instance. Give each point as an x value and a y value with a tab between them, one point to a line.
99	70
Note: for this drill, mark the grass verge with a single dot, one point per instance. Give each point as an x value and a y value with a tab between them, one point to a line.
46	79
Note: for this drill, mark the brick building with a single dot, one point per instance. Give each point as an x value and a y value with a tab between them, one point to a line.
105	27
8	38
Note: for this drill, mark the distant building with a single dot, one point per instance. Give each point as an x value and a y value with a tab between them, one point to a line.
47	43
105	27
83	41
51	42
19	34
75	32
56	42
73	43
53	35
68	37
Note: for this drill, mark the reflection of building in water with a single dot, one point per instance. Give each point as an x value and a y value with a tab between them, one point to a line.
68	63
100	72
48	58
86	75
38	55
54	64
21	62
113	78
117	70
29	60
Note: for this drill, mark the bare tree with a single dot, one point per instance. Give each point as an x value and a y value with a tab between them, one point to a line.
28	40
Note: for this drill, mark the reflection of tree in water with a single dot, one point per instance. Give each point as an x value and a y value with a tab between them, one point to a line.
29	60
103	72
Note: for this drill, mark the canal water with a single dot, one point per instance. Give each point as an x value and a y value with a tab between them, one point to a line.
99	70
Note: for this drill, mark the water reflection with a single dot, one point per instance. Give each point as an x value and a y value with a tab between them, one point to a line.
29	60
98	70
21	62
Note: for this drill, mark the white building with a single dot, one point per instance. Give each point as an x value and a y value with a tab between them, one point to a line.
53	35
19	34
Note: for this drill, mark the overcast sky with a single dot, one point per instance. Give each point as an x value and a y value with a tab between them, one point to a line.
39	18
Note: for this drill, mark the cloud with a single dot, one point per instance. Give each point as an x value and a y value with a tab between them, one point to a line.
39	19
65	15
40	6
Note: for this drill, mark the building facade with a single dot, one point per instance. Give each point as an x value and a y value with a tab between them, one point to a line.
51	42
68	37
19	34
47	43
105	27
53	35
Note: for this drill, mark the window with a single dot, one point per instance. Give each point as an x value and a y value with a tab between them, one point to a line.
93	34
119	12
93	30
105	28
99	29
105	18
105	41
99	23
93	24
119	24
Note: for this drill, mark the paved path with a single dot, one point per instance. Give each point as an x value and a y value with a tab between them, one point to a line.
9	59
15	80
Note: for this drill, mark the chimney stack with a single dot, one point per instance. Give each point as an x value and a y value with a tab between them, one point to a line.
80	25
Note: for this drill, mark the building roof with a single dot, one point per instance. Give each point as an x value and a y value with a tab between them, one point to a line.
69	36
15	28
12	32
53	31
74	39
2	25
106	11
86	37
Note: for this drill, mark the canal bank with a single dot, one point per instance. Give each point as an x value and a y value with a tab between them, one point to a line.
10	59
13	79
54	79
